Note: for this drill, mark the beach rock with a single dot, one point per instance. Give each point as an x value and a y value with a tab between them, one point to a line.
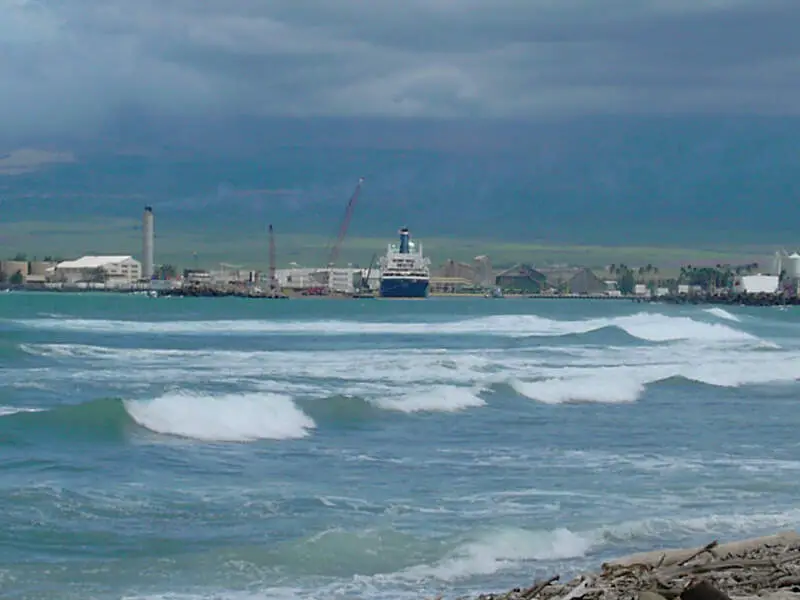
767	595
765	568
648	595
703	590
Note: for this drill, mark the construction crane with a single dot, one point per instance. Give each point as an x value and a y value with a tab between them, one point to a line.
364	289
369	271
273	280
348	214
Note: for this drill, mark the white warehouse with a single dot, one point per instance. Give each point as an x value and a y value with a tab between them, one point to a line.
756	284
111	270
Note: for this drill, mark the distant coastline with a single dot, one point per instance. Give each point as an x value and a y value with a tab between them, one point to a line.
729	284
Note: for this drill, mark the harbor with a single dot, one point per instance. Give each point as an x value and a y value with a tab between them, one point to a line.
405	271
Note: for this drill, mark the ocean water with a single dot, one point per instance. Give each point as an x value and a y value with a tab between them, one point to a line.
243	449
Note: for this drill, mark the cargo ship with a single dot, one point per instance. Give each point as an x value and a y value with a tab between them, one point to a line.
405	272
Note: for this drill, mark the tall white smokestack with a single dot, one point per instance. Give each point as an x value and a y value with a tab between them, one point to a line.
147	243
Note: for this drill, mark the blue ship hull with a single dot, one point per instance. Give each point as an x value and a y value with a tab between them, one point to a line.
404	288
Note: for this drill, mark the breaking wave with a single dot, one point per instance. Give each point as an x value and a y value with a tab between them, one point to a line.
652	327
233	417
388	555
428	379
227	418
442	398
721	313
500	549
603	389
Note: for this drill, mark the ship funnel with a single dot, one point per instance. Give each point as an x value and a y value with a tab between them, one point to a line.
404	235
147	243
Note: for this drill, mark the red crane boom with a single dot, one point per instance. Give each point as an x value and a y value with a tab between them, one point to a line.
348	214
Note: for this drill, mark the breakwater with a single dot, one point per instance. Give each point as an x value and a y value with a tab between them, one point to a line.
207	291
729	299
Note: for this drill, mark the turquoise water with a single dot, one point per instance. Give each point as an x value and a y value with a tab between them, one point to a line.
244	449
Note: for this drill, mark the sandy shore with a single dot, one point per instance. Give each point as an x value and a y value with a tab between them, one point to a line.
767	567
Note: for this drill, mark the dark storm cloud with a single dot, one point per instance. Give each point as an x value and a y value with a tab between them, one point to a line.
74	64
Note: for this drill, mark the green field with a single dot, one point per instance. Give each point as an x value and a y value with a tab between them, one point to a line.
73	239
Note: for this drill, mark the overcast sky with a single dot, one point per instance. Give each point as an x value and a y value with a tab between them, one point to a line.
68	65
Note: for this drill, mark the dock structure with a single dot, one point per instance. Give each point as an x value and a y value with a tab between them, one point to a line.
218	291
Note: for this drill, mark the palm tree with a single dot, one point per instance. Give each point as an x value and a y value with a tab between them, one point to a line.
166	271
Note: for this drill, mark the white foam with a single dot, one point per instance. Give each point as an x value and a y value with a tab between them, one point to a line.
601	388
508	548
501	549
721	313
543	373
444	380
717	524
736	373
661	328
227	418
13	410
441	398
644	325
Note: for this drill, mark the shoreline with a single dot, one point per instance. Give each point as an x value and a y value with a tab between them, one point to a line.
231	291
763	299
699	299
762	567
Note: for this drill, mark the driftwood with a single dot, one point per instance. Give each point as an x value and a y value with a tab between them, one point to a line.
766	568
536	588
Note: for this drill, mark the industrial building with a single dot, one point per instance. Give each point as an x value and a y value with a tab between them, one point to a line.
523	278
342	280
756	284
297	278
10	268
451	285
454	274
452	269
113	271
586	282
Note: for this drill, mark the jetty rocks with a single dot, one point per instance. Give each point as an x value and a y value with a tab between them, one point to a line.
766	568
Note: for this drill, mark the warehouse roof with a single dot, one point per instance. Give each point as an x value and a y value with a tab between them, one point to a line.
92	262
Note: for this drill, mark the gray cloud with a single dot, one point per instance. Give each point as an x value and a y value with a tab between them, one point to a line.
75	64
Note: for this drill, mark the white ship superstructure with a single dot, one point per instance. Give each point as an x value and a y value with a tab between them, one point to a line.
405	271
